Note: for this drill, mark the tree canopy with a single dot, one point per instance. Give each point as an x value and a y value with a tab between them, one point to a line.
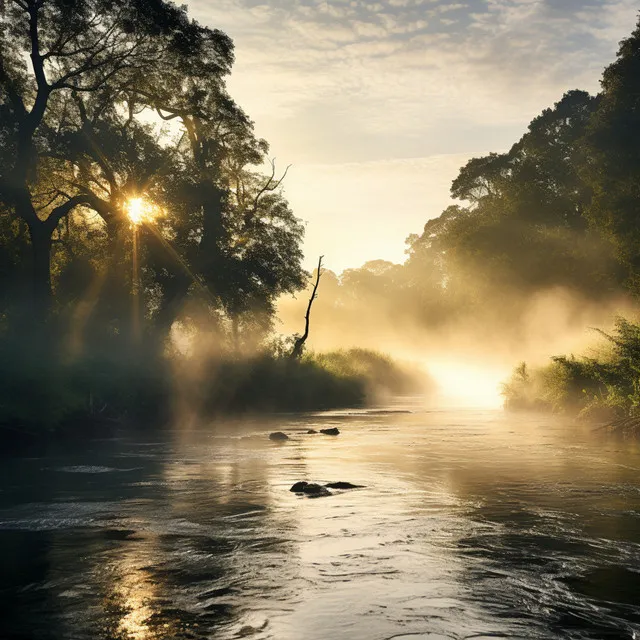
104	101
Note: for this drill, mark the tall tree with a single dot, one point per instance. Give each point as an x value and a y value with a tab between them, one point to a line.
612	162
75	47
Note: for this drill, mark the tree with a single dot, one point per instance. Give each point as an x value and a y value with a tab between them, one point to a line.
298	345
244	241
612	159
92	48
524	226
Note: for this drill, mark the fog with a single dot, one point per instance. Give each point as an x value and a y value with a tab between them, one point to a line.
469	348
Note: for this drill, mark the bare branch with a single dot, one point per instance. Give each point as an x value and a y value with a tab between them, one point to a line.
298	346
87	199
270	185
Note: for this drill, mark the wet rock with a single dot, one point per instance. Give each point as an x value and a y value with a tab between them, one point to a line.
310	489
278	436
344	485
312	431
330	432
316	491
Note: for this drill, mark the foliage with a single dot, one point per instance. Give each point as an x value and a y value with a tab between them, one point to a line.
77	140
267	382
612	152
604	387
381	375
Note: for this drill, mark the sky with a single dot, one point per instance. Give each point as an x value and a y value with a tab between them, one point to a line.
376	105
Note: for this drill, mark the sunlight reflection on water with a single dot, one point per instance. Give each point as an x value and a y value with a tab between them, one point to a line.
471	524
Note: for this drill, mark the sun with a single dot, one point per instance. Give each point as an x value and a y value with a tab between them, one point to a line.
140	210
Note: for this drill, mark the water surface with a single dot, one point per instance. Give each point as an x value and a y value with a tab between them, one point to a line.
473	524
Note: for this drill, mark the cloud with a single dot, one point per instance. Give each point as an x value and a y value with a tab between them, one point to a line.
350	81
396	64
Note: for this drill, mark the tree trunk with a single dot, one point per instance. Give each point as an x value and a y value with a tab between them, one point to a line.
298	346
41	270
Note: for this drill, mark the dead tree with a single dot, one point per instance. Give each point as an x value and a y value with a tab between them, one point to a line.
298	346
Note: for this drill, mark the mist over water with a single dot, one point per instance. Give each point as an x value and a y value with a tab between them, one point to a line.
472	524
469	352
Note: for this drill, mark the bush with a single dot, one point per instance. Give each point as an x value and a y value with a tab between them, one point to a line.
42	388
602	388
269	383
274	382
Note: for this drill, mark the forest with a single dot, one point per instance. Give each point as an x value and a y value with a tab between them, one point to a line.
147	242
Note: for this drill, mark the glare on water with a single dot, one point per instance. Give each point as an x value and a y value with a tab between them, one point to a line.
472	523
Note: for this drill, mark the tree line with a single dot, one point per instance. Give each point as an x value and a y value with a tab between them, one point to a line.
134	199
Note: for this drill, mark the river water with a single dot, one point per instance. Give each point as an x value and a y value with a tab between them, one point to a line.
473	524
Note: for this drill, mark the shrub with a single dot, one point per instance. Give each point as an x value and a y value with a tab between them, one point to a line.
601	388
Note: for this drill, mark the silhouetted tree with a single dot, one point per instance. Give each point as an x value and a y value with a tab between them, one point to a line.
612	155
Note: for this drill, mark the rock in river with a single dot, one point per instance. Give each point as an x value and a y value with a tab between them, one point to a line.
344	485
330	432
312	431
278	436
310	489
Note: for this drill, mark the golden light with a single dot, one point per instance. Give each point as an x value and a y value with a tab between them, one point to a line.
140	210
469	385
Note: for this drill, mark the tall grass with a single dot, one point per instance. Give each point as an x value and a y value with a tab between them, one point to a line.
267	382
605	387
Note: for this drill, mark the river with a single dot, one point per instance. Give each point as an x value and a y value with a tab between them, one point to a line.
472	524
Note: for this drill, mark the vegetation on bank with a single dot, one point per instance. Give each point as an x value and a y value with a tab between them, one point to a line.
58	392
337	379
604	387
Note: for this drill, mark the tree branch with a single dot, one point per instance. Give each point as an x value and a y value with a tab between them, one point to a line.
270	185
87	199
298	346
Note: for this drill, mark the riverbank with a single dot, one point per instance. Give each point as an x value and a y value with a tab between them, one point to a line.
58	396
602	387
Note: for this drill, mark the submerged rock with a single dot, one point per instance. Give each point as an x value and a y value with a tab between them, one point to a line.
313	489
316	490
310	489
278	436
344	485
330	432
312	431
